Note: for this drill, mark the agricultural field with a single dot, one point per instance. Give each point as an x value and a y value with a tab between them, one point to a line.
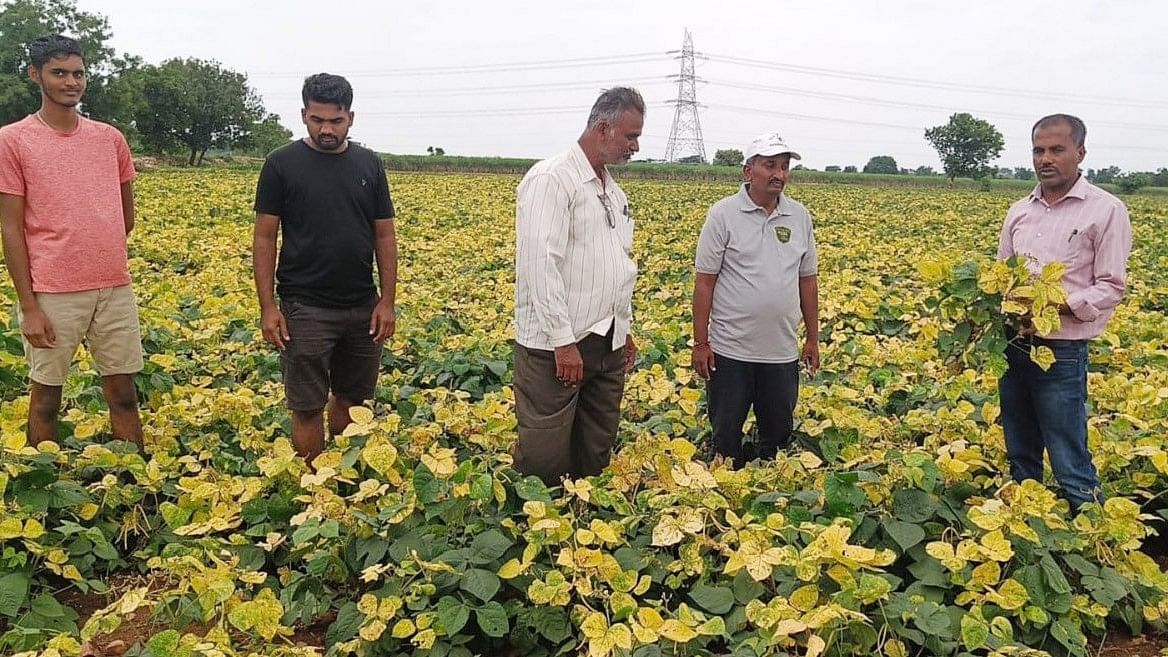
889	528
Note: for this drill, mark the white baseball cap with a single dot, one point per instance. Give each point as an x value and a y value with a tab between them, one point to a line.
768	145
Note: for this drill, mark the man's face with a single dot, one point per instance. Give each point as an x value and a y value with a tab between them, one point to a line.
1056	155
328	125
61	79
768	173
618	140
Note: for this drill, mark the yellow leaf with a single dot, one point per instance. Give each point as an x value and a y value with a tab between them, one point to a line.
676	631
595	625
1042	356
403	628
815	645
805	598
361	415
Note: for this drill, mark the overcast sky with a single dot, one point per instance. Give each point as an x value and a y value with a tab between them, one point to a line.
842	81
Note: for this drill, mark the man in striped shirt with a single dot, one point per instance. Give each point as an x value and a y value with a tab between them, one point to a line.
574	278
1069	220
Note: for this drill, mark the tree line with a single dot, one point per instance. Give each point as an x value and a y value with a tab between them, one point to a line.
181	106
966	145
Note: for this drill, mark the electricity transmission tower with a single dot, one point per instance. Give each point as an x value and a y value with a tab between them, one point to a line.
685	137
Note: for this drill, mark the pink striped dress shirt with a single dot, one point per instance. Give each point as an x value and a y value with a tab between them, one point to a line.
1090	232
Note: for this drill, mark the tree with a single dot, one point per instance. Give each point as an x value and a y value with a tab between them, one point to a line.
1131	182
923	171
731	157
966	145
437	151
881	164
1023	173
1103	176
1160	179
833	168
21	21
691	159
195	105
267	135
851	168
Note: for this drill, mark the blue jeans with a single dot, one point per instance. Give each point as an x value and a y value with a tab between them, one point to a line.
1048	410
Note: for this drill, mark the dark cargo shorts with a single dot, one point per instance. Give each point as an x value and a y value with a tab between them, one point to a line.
330	350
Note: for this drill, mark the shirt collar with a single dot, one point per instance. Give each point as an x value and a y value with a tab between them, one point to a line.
1078	190
584	171
747	204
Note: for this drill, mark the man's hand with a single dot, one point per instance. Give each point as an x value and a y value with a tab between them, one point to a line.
274	327
37	329
703	360
569	365
383	322
630	353
810	357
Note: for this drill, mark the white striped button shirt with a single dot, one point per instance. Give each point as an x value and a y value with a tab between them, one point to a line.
574	272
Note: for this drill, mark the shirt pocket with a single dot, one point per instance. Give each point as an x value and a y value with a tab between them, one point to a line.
1074	243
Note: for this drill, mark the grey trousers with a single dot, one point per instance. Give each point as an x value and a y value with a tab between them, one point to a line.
567	431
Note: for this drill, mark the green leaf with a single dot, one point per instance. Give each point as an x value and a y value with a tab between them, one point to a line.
841	494
906	534
532	489
427	487
913	505
1081	565
1055	580
489	546
165	643
714	599
551	623
932	619
13	592
453	614
492	620
346	625
483	584
975	632
1067	632
745	588
482	488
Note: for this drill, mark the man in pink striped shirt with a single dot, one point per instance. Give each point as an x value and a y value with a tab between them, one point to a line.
1069	220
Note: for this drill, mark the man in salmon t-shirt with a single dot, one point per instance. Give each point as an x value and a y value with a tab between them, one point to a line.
66	209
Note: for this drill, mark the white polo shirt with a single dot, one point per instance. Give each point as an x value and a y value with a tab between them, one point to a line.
574	271
758	259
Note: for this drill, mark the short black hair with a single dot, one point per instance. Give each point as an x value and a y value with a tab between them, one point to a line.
327	88
1078	128
41	50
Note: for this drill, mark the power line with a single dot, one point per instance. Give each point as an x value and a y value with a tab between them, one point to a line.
496	89
538	65
935	84
869	100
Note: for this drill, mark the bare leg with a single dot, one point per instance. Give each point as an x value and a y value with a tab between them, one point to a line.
338	415
44	405
308	433
122	399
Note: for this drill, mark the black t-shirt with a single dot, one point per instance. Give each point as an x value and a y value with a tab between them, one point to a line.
327	203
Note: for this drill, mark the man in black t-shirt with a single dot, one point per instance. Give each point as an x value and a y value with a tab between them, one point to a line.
330	198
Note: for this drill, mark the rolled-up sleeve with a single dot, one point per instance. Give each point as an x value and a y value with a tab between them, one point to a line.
1112	246
543	220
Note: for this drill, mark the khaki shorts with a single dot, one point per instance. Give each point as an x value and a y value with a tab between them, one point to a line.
106	319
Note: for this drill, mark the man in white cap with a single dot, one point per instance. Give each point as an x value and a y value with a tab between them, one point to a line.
756	278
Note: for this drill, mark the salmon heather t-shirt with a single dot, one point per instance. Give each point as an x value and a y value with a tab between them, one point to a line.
71	184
